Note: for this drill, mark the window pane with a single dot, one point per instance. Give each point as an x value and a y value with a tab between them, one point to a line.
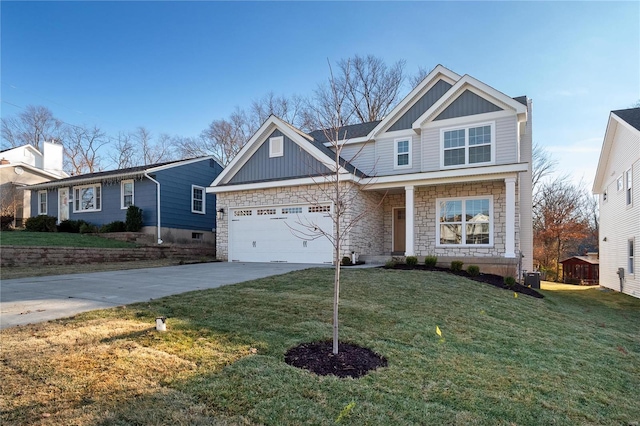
450	234
451	211
97	188
477	233
403	146
480	135
403	159
454	138
479	154
87	196
453	157
477	210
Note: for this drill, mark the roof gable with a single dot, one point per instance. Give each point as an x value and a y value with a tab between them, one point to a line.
627	118
424	103
315	149
439	73
468	103
482	90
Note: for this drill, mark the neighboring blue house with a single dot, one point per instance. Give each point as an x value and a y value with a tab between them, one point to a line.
172	196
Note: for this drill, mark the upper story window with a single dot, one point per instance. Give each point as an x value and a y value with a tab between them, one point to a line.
87	198
402	153
126	194
42	202
620	183
468	145
629	187
197	199
276	146
465	221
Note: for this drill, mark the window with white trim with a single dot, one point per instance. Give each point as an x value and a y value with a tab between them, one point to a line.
629	187
42	202
126	194
630	252
87	198
465	221
468	145
198	199
402	153
620	183
276	146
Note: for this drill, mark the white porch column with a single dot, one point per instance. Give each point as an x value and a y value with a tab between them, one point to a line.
409	227
510	219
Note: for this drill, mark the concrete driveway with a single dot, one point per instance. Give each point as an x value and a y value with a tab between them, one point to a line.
31	300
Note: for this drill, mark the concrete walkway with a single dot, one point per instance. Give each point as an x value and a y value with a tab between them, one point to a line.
30	300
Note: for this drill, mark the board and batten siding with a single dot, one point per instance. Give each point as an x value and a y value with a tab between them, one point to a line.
468	103
421	105
175	195
619	222
294	163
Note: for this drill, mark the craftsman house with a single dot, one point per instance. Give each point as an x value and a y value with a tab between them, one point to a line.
446	173
172	196
617	184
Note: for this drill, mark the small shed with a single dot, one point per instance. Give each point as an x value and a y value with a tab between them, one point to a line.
581	269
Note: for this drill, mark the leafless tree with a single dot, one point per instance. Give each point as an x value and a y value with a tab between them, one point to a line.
372	88
290	109
417	78
32	126
124	151
340	192
83	149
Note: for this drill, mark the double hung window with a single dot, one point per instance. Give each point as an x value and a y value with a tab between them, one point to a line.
465	221
87	198
468	145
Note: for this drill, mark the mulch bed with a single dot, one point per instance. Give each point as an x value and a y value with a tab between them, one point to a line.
494	280
350	361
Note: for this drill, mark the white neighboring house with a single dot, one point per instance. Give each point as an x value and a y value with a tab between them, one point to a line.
617	183
25	165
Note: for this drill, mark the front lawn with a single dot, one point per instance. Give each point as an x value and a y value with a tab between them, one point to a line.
58	239
570	358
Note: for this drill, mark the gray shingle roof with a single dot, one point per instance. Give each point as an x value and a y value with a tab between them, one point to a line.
521	99
350	132
630	115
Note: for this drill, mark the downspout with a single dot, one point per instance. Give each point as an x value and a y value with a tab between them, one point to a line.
157	203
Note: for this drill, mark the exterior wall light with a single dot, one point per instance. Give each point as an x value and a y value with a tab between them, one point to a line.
220	214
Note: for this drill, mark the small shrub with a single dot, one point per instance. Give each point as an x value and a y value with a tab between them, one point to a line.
134	219
390	264
411	260
41	223
431	261
117	226
346	261
473	270
87	228
71	226
5	222
456	265
509	281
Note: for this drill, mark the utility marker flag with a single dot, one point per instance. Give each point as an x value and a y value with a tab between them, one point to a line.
515	295
438	332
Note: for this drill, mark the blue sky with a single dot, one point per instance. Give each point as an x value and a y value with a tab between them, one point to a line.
173	67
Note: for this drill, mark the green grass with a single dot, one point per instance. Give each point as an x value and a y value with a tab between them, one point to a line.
58	239
571	358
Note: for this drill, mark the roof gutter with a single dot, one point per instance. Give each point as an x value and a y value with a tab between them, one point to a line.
157	204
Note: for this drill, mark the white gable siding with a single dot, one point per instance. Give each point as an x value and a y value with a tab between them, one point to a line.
619	222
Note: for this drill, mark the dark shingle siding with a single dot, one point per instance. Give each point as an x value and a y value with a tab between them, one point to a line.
631	116
521	99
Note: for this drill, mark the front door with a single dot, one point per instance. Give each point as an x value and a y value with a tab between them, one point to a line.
399	230
63	204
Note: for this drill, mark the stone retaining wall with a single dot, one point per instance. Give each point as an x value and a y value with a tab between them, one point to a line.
35	256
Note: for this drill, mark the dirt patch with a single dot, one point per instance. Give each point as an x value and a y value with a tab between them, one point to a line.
350	361
491	279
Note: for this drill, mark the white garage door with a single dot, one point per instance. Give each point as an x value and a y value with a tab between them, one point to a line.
264	234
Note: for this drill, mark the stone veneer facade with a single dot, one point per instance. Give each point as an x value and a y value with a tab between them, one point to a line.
372	233
362	238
